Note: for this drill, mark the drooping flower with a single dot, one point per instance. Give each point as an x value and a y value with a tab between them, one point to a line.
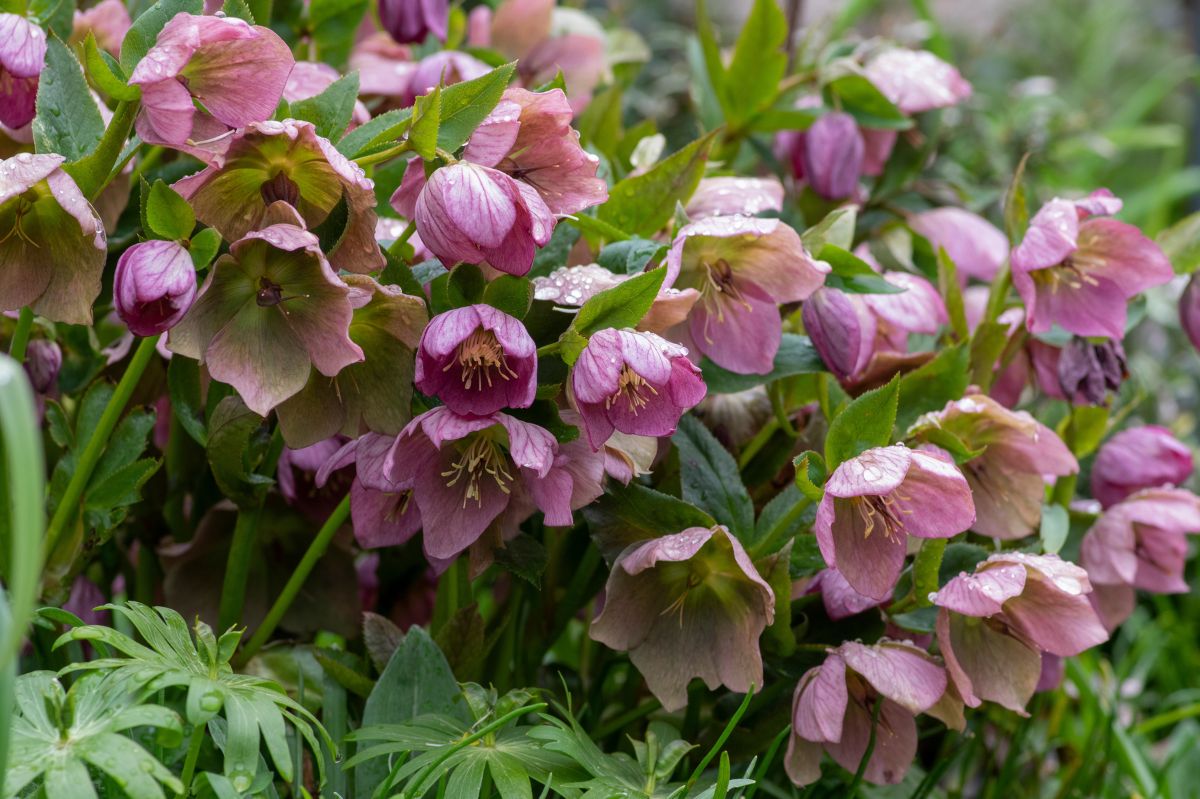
108	21
626	456
154	286
43	361
411	21
687	605
834	706
993	625
234	71
976	246
270	162
636	383
572	286
1083	372
833	155
1008	479
916	80
1078	268
52	243
842	329
477	360
22	58
1140	543
840	599
296	476
268	312
735	196
744	268
384	70
1136	458
875	501
382	510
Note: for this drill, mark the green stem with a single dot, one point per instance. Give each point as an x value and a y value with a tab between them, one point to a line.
755	444
20	339
152	157
93	173
866	758
770	542
315	550
398	244
453	593
68	506
549	349
722	738
193	754
382	155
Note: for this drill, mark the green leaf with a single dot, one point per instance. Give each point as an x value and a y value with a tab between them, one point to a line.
466	104
331	110
958	558
203	247
621	306
1016	211
427	117
837	228
987	344
796	356
641	204
238	9
929	388
1181	244
629	513
810	475
68	122
852	274
183	387
334	24
859	97
863	424
758	61
510	294
525	557
596	230
106	72
631	256
167	214
141	35
556	251
714	66
230	432
465	286
777	119
379	133
1056	524
951	291
710	477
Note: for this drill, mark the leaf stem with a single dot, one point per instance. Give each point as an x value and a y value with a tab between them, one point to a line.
20	339
68	506
315	550
383	155
549	349
193	754
93	172
866	758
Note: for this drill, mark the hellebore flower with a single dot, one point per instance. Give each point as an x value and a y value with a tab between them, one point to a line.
1008	479
529	137
1083	372
1140	457
381	510
834	706
626	456
445	67
477	360
1139	543
22	58
267	312
384	69
637	383
235	70
842	329
919	308
43	360
976	246
476	214
1189	310
994	625
52	244
875	501
464	470
373	394
687	605
411	21
154	286
270	162
833	155
735	196
744	268
296	475
916	80
572	286
840	599
1079	272
108	20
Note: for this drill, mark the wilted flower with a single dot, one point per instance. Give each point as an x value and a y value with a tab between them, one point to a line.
687	605
108	21
626	456
234	70
445	67
1008	479
994	625
744	268
875	501
154	286
916	80
834	707
1140	457
477	360
382	511
976	246
1083	372
22	57
572	286
735	196
1079	272
52	244
268	312
411	21
270	162
636	383
833	155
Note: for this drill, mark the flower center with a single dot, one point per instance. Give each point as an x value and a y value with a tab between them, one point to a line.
883	511
633	389
482	459
270	294
24	206
719	287
280	187
482	360
1072	273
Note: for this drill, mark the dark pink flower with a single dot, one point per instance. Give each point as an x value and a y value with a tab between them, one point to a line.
916	80
108	20
234	70
834	704
477	360
411	21
43	360
744	268
1136	458
382	510
1080	272
833	155
296	475
154	286
735	196
842	329
687	605
637	383
977	247
875	501
22	57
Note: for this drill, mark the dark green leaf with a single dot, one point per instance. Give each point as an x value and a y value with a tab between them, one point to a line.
929	388
777	119
331	110
141	35
525	557
859	97
555	253
183	385
623	305
641	204
68	122
758	61
334	24
958	558
714	65
629	513
465	286
382	131
863	424
230	432
466	104
710	477
631	256
796	356
510	294
987	344
168	215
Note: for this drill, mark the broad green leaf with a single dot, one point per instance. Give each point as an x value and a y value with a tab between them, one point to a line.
929	388
777	119
141	35
238	9
711	479
232	427
951	291
865	423
859	97
796	356
959	557
641	204
168	215
381	132
427	117
758	61
334	24
785	516
556	251
629	513
466	104
714	66
623	305
837	228
510	294
106	72
331	110
203	247
852	274
1181	243
68	122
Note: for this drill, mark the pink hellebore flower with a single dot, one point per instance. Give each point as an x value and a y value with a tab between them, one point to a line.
384	69
572	286
916	80
735	196
477	360
637	383
1079	272
687	605
919	308
1008	480
545	38
875	501
833	153
108	20
411	21
744	268
52	244
976	246
154	286
22	57
834	705
1136	458
381	510
993	625
296	477
236	70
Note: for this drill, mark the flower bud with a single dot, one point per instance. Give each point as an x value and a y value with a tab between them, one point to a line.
1189	311
842	329
411	21
1140	457
833	156
43	359
22	57
154	286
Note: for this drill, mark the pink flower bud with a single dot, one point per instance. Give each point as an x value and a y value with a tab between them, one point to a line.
410	21
833	156
43	359
154	286
1140	457
1189	311
842	329
22	56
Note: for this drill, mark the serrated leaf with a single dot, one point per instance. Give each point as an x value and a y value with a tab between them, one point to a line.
641	204
381	131
68	122
168	215
859	97
711	479
865	423
106	73
203	247
510	294
629	513
929	388
427	118
331	110
852	274
631	256
229	435
621	306
238	9
466	104
121	487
